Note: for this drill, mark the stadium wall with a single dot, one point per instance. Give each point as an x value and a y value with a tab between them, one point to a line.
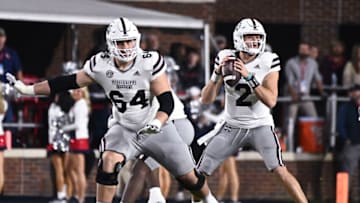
28	173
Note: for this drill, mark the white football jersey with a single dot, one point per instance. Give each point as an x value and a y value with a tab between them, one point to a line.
128	90
242	107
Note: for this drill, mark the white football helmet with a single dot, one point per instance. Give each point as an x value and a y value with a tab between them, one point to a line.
122	29
249	26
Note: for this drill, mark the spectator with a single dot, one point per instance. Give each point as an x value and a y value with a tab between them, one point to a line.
178	53
349	127
314	52
192	73
9	59
221	42
300	72
3	107
152	42
352	68
333	64
9	63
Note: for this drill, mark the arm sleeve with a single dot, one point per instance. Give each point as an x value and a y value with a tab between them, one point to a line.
166	102
62	83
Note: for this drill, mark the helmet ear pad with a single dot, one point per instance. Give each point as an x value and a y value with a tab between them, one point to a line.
249	26
122	29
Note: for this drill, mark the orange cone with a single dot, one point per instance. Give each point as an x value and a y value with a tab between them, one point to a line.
342	187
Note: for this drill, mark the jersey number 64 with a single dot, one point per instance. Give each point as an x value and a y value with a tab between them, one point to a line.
139	99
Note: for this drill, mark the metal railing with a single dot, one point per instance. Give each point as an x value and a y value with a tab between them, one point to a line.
330	116
331	110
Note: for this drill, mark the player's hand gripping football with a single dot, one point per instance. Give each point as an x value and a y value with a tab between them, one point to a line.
19	85
218	69
153	127
240	67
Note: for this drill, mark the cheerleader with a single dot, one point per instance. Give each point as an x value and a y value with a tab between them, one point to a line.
79	145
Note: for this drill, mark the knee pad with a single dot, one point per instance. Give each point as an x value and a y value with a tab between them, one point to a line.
105	178
197	186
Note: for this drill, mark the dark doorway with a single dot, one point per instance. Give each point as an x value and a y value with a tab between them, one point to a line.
349	34
34	42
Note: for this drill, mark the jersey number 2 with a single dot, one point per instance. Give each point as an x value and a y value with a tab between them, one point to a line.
139	98
240	101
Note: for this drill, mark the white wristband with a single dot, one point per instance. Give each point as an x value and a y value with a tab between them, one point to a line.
156	122
27	89
215	77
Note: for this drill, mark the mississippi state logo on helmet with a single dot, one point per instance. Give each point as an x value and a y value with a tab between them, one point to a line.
122	29
249	26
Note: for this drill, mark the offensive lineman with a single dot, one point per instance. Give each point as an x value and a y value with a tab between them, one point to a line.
130	78
247	118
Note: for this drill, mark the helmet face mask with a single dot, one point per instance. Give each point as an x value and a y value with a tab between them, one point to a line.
122	30
249	28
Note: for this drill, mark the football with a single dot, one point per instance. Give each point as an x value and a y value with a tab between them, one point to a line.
231	77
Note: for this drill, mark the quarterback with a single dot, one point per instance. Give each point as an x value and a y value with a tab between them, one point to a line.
131	78
247	118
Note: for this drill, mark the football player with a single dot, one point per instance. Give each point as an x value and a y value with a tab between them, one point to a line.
130	78
247	118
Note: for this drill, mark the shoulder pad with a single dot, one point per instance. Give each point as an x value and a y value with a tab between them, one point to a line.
96	59
275	61
158	62
270	60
